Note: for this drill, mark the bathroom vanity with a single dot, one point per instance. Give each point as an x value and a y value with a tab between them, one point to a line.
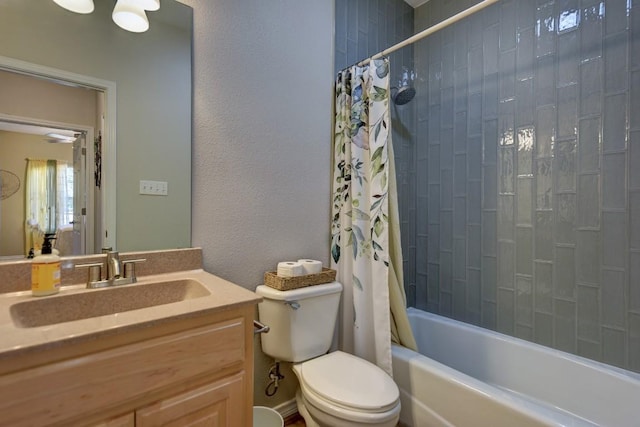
183	355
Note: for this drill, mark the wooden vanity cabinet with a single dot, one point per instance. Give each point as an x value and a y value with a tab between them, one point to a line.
127	420
195	372
214	404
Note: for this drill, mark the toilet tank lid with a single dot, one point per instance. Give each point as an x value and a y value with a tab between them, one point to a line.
300	293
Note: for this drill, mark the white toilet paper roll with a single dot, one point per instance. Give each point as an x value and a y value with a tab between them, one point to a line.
311	266
290	269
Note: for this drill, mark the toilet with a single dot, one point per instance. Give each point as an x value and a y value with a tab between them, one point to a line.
337	389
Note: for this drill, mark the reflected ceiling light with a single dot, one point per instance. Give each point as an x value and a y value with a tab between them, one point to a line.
77	6
128	14
131	16
150	5
56	137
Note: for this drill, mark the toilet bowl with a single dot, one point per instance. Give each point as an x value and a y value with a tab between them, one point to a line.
341	390
336	389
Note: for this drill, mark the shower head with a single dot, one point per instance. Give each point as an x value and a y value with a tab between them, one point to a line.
403	95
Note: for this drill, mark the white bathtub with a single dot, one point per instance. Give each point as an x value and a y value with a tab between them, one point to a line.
469	376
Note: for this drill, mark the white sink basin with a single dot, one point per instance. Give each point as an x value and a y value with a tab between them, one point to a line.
101	302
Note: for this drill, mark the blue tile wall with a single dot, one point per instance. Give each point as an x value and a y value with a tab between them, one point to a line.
519	201
366	27
527	141
362	29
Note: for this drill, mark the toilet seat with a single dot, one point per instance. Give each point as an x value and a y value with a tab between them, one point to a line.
323	409
348	387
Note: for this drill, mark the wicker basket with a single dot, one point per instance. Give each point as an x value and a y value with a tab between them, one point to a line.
274	281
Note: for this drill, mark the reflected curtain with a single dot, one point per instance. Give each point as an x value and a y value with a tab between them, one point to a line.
64	195
40	201
364	249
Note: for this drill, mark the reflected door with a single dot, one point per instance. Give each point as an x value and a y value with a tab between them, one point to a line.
79	195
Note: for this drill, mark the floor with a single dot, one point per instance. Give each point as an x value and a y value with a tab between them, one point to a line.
297	421
294	421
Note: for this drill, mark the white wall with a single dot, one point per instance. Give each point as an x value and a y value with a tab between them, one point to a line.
26	96
263	75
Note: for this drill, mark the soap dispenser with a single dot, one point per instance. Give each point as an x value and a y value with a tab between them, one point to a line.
45	270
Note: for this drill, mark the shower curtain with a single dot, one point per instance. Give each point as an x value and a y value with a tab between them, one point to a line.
365	233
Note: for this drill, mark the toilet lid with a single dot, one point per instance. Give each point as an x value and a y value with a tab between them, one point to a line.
350	382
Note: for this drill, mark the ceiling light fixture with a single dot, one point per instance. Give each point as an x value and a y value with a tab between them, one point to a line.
77	6
150	5
127	14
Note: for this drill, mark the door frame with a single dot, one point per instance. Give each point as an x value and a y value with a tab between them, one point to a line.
90	217
109	167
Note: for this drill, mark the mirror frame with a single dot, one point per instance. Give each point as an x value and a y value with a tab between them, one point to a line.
109	166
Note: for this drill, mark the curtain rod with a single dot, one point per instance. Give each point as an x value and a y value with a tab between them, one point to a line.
424	33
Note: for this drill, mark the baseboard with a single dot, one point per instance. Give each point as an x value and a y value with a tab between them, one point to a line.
288	408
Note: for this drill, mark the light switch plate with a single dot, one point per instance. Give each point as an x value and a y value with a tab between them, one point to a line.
154	188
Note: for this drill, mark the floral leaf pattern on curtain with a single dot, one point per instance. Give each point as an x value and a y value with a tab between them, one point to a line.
360	218
352	125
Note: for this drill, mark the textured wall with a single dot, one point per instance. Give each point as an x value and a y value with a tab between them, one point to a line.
530	139
262	141
262	122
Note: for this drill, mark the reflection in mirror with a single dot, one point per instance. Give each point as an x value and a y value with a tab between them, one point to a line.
149	122
28	146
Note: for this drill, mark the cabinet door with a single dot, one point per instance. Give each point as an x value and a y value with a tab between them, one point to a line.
216	404
126	420
120	374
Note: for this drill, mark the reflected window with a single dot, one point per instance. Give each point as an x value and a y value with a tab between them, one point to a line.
49	199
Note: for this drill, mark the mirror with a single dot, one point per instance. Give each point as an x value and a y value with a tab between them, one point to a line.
147	123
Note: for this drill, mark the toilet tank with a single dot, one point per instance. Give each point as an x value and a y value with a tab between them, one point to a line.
302	320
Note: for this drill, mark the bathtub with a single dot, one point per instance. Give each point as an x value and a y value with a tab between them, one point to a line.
469	376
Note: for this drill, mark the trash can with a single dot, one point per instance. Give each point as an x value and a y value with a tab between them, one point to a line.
266	417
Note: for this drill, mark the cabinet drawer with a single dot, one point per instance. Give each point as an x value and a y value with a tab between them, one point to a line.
53	393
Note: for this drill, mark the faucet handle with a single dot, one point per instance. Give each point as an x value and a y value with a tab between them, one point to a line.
129	267
94	272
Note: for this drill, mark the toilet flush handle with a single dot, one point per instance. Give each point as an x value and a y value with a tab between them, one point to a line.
293	304
259	328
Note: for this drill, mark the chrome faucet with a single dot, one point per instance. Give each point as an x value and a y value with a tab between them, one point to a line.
118	272
114	267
